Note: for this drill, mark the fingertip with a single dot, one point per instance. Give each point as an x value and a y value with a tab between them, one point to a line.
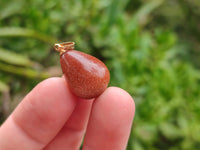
118	100
54	86
120	94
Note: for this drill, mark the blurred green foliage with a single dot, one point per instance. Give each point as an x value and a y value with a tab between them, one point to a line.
150	47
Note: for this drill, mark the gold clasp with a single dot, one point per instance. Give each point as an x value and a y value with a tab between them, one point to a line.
63	47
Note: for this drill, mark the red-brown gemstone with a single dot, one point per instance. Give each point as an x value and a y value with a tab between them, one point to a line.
86	75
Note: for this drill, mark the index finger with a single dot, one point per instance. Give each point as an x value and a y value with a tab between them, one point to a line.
39	117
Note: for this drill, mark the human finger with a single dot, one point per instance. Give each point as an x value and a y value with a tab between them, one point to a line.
72	133
39	117
110	121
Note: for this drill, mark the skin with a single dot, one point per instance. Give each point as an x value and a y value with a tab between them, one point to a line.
50	117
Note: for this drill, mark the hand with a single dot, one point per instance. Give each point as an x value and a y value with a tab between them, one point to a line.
51	118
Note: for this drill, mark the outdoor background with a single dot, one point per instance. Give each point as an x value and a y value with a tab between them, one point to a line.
151	47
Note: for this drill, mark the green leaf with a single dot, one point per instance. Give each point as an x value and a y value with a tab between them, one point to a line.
26	72
14	58
3	87
142	16
169	130
23	32
11	8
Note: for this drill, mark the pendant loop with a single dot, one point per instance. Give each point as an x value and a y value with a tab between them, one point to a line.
63	47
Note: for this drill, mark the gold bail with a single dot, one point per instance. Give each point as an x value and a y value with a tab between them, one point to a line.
63	47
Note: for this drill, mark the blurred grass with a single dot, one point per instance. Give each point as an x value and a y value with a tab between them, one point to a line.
150	47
